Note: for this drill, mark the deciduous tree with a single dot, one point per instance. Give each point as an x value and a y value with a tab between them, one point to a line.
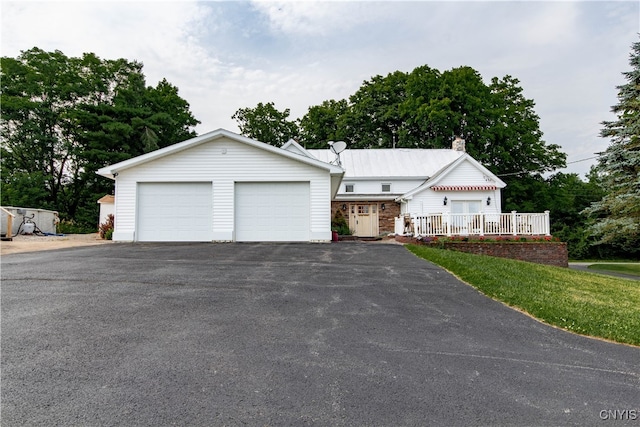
426	108
266	123
323	123
64	117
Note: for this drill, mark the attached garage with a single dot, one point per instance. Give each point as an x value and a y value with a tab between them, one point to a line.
175	211
221	186
272	211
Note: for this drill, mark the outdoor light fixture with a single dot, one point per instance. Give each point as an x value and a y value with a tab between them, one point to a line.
488	201
383	207
444	201
344	207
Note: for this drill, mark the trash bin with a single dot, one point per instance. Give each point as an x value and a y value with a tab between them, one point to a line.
334	236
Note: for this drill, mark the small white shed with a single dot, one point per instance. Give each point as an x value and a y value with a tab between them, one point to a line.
222	186
107	205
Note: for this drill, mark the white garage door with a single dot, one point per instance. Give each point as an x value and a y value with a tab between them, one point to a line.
175	212
272	211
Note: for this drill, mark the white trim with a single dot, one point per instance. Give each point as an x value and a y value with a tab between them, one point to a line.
293	147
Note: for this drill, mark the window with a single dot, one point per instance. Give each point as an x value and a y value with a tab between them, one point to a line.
386	188
348	188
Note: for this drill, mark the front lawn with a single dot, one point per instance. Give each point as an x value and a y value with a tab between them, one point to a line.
581	302
625	268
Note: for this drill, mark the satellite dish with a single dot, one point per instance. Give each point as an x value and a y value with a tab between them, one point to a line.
338	146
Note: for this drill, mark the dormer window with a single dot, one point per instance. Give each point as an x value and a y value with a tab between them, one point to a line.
386	188
348	188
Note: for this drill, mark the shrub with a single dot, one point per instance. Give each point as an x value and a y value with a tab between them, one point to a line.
106	229
339	224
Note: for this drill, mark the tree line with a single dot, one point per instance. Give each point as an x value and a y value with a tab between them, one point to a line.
63	118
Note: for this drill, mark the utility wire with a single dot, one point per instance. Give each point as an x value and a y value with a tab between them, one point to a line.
583	160
569	163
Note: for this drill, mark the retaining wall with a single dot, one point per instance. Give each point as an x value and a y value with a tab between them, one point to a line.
549	253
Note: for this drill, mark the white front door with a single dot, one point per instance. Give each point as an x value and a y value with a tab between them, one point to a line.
463	218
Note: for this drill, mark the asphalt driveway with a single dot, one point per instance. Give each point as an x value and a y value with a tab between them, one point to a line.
287	334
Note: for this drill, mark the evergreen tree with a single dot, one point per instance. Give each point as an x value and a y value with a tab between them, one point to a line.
617	215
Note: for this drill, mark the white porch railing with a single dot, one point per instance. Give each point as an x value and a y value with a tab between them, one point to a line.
480	224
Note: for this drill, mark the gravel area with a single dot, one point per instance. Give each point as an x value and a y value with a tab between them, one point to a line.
33	243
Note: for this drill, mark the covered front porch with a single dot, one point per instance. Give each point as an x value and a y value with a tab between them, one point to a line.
476	224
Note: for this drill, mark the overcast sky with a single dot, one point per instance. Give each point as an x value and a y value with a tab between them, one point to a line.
223	56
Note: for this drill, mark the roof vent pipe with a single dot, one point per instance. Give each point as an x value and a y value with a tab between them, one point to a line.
458	144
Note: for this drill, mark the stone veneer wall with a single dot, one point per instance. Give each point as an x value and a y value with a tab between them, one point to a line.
386	217
549	253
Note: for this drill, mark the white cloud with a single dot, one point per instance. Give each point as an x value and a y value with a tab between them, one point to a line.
311	18
163	35
229	55
549	24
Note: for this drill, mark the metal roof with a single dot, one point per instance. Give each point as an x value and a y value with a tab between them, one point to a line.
390	162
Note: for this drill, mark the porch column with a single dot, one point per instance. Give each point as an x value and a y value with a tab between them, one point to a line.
547	224
399	226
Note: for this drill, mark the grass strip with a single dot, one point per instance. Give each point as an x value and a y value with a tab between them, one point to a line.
631	269
581	302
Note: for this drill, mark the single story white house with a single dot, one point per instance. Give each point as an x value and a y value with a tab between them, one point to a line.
382	185
221	186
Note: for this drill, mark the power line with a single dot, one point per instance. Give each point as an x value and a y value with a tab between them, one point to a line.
542	170
583	160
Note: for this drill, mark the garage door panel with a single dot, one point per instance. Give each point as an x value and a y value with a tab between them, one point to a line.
272	211
178	212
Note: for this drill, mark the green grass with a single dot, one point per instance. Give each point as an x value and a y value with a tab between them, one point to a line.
632	269
581	302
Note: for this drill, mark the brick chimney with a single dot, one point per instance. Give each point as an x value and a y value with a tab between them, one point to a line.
458	144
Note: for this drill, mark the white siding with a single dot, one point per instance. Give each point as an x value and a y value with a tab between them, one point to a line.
429	201
374	186
223	162
466	174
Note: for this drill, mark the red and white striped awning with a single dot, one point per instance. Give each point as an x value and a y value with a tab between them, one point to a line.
463	187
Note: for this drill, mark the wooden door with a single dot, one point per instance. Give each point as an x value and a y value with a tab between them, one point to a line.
364	219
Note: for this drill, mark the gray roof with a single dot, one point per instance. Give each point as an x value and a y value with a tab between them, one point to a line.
391	162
